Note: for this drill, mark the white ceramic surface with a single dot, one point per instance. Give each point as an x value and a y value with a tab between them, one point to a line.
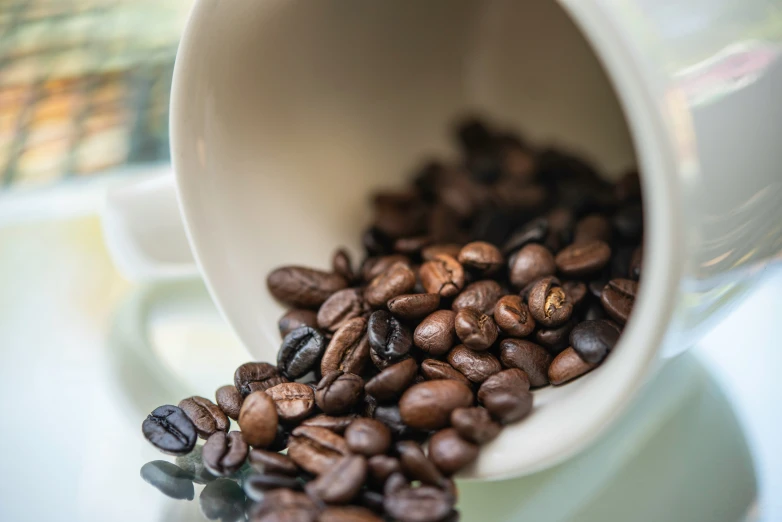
287	113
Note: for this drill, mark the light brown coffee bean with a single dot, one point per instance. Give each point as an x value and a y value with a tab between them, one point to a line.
303	287
436	335
413	306
567	366
527	356
391	382
294	401
398	279
433	370
207	417
476	330
512	316
481	295
229	400
532	262
258	420
338	392
475	424
341	307
368	437
348	350
316	449
442	275
451	453
477	366
271	462
295	318
428	405
341	483
548	303
481	256
374	266
336	424
618	298
583	259
449	249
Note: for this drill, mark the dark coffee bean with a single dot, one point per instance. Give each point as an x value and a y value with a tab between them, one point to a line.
628	222
412	246
534	231
340	483
635	263
527	356
506	396
295	318
348	350
485	166
592	340
170	430
416	466
490	225
316	449
449	249
207	417
338	392
272	463
229	400
389	339
476	366
481	295
381	467
594	312
548	303
473	134
284	505
399	213
628	188
367	406
294	401
583	259
224	454
222	499
436	335
389	415
340	308
341	264
336	424
619	267
434	370
618	298
451	453
428	405
555	339
512	316
475	425
398	279
300	352
348	514
375	266
169	479
391	382
303	287
413	306
372	500
256	376
592	227
476	330
258	420
512	379
376	242
530	263
576	292
280	442
442	275
482	257
422	504
596	287
257	486
567	366
368	437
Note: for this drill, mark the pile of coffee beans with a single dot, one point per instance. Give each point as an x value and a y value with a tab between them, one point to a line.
508	270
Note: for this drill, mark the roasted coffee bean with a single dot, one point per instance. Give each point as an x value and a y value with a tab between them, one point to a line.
628	188
372	500
530	263
583	259
560	221
224	454
421	504
391	382
433	370
436	335
374	266
169	479
628	222
207	417
389	339
535	231
475	425
481	295
397	280
303	287
592	227
635	263
295	318
389	415
555	339
592	340
594	312
381	467
348	514
258	420
368	437
341	264
222	499
229	400
300	352
512	316
413	245
367	406
280	442
576	292
316	449
256	486
284	505
348	350
256	376
338	392
428	405
416	466
340	483
451	453
548	303
567	366
506	395
376	242
170	430
527	356
596	287
477	366
449	249
272	463
294	401
413	306
481	256
442	275
340	308
618	298
476	330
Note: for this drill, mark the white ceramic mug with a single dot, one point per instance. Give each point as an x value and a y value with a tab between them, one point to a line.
285	114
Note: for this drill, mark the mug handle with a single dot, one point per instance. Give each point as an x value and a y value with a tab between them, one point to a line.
144	231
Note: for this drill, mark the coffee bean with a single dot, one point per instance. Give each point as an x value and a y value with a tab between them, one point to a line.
374	266
596	287
576	292
316	449
391	382
451	453
481	256
280	442
628	222
548	303
341	483
592	227
481	295
340	308
169	479
436	335
428	405
224	454
229	400
530	263
594	312
527	356
258	420
512	379
560	220
389	339
567	366
389	415
592	340
257	486
295	318
303	287
170	430
368	437
381	467
416	466
583	259
635	263
338	392
348	350
433	370
342	265
476	330
412	245
376	242
336	424
477	366
449	249
272	463
413	306
294	401
284	505
535	231
206	416
512	316
347	514
222	499
256	376
618	298
421	504
442	275
398	279
475	425
555	339
506	396
300	352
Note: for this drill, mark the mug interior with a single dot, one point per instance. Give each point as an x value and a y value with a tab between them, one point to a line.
287	114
